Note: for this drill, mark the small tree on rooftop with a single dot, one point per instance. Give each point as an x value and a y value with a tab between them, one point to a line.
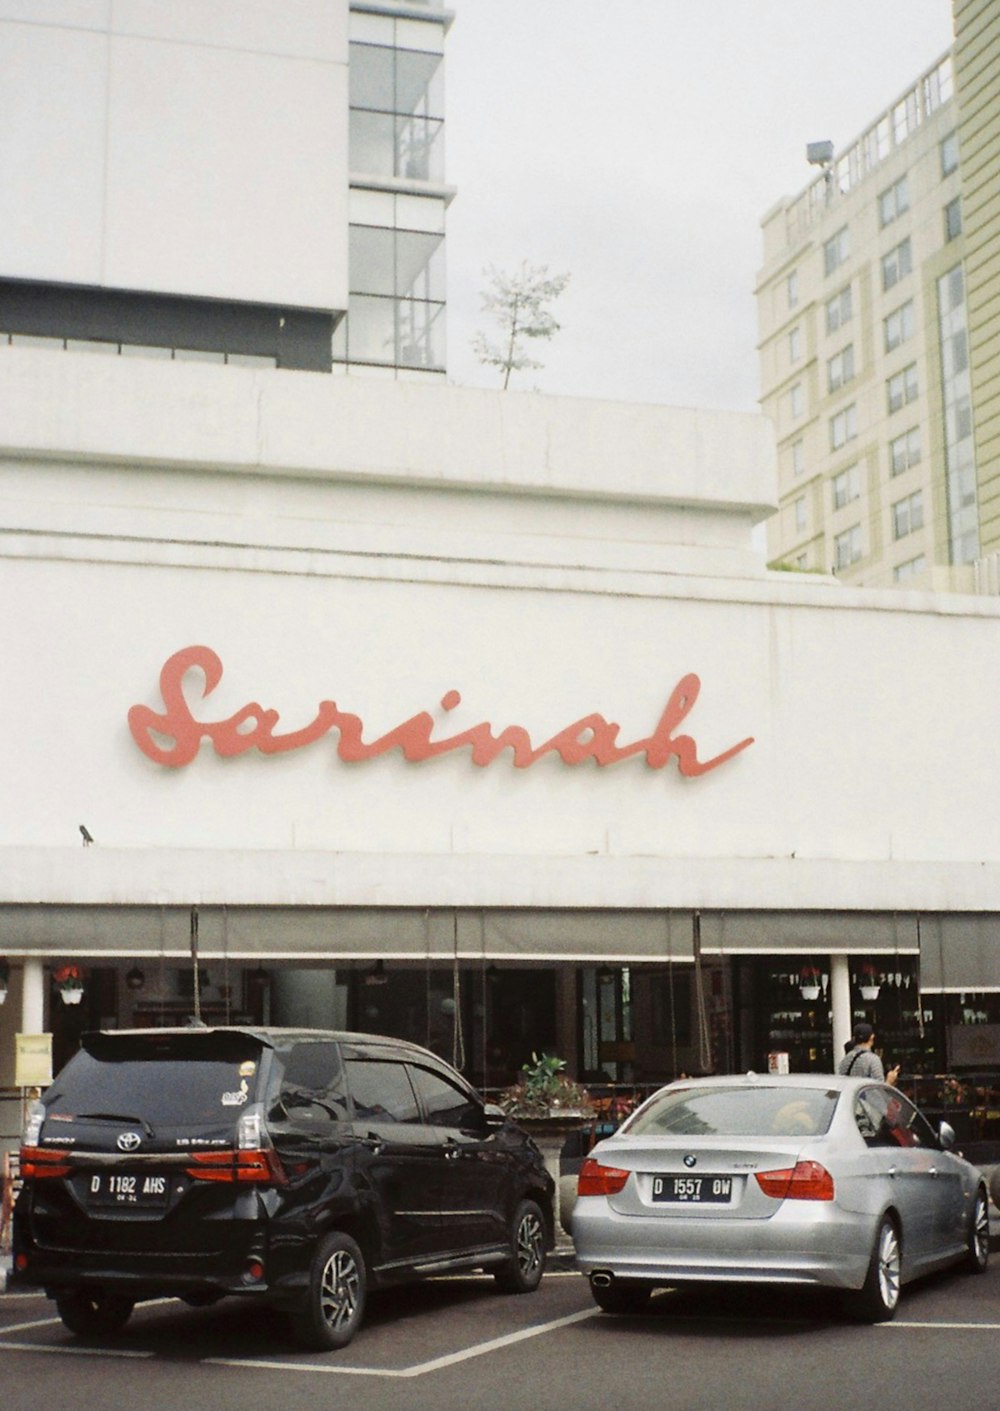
519	304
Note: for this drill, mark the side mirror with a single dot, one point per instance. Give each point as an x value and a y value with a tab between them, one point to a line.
946	1135
494	1116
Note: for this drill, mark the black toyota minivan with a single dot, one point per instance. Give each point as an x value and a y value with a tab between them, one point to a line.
297	1167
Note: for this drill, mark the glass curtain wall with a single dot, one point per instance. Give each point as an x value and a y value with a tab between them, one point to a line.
397	287
963	514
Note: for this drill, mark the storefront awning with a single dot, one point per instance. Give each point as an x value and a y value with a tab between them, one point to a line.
960	953
807	932
347	933
957	951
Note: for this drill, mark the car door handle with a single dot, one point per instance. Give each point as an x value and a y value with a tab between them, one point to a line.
892	1173
933	1172
452	1152
374	1143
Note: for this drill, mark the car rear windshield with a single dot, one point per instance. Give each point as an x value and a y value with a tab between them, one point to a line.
168	1081
737	1111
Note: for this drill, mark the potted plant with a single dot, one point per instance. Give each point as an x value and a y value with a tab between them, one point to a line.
869	981
69	983
809	982
544	1091
546	1102
4	978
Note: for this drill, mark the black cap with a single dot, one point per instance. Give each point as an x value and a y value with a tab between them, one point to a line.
862	1032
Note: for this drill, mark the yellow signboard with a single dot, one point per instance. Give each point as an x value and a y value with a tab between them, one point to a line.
32	1060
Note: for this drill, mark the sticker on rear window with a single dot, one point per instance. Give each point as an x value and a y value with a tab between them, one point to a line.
236	1099
248	1069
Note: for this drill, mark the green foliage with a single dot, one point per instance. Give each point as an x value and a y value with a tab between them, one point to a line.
518	303
544	1090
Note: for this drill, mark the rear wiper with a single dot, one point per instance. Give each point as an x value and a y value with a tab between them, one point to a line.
115	1117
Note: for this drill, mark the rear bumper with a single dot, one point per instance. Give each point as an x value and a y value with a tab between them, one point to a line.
814	1244
231	1267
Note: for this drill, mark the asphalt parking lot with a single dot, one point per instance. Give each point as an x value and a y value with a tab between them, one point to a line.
449	1341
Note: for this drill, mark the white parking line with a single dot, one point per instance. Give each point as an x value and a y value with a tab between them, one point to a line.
23	1327
420	1369
71	1351
951	1327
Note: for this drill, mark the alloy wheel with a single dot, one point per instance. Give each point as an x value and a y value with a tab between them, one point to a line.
340	1290
888	1265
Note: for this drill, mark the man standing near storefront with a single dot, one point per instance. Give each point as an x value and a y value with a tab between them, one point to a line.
861	1060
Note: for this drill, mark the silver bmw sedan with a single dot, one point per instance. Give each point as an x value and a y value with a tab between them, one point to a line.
801	1179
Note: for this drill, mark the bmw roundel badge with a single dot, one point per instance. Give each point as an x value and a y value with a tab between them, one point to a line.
690	1161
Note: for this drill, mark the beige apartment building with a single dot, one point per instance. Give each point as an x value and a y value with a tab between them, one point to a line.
880	358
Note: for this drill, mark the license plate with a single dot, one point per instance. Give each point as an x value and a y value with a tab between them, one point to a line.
693	1190
140	1190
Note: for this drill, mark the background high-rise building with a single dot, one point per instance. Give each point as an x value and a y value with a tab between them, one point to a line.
977	65
880	362
864	354
215	183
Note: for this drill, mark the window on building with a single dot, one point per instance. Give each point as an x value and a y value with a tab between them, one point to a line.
836	250
949	154
954	352
795	345
953	219
798	457
897	264
792	288
846	487
894	202
843	427
839	309
796	400
900	325
910	569
959	453
908	515
847	547
958	418
396	310
840	368
902	388
800	513
396	100
904	451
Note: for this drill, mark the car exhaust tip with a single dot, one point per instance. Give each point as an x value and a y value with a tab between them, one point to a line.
601	1279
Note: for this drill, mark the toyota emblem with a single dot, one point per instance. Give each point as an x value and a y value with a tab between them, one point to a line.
690	1161
129	1141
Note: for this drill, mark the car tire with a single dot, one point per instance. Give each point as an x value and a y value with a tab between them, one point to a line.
335	1303
877	1300
621	1297
92	1314
977	1255
523	1271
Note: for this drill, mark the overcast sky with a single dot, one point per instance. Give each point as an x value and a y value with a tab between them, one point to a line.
636	144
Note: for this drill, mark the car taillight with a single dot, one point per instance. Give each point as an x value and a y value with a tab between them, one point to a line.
39	1163
595	1179
806	1180
260	1167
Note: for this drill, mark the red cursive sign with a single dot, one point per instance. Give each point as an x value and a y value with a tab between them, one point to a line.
174	737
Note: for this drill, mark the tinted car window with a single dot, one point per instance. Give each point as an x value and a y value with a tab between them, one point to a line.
381	1092
312	1087
887	1118
445	1104
164	1083
736	1112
